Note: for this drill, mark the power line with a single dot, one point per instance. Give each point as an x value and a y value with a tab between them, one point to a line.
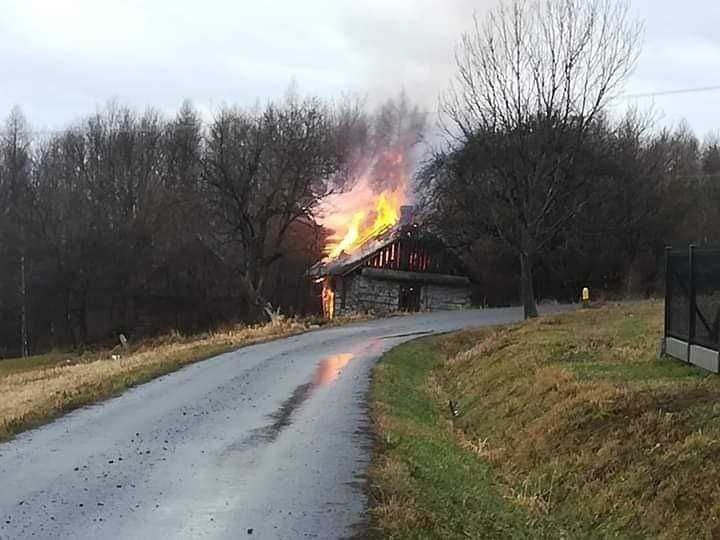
677	91
693	90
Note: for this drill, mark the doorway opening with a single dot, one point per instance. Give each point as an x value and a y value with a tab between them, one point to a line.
409	298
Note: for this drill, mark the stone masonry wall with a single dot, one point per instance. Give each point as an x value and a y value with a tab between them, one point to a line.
441	297
363	294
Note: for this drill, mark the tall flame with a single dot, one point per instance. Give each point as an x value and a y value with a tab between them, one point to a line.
371	207
361	228
351	236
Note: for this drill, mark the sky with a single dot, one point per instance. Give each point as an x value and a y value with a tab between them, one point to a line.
63	59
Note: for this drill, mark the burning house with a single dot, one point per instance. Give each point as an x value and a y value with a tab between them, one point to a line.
391	264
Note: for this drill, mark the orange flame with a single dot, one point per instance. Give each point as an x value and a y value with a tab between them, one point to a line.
364	213
351	236
328	300
361	229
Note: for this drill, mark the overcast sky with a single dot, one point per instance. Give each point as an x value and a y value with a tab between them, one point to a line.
62	59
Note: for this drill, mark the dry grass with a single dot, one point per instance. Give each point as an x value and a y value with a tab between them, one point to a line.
37	389
399	510
580	421
569	427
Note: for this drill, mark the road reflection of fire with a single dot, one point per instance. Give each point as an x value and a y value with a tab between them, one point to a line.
330	368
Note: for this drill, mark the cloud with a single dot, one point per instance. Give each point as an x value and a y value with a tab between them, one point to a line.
681	50
63	58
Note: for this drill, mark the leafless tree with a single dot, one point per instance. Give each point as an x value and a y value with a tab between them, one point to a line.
14	197
267	170
532	78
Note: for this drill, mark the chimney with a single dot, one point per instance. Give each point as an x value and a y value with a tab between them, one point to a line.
407	214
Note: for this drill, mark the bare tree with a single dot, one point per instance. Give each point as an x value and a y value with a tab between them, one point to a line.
15	182
532	79
265	171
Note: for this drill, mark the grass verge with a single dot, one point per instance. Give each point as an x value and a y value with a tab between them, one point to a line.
40	388
569	427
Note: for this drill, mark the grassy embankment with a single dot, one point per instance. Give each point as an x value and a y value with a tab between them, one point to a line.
569	427
37	389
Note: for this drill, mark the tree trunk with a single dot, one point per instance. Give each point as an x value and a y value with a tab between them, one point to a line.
630	278
255	301
527	292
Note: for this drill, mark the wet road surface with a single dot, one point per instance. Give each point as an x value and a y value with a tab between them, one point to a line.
270	441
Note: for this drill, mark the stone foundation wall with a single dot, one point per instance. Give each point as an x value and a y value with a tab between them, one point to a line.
441	297
357	293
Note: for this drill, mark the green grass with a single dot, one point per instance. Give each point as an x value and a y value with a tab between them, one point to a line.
427	486
569	427
663	369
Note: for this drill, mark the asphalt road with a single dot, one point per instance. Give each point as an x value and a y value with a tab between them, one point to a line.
270	441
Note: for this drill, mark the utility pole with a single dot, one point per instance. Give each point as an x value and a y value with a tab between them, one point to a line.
23	310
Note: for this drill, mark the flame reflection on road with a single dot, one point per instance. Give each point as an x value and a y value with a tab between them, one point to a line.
329	369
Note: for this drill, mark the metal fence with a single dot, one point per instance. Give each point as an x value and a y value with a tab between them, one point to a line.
692	301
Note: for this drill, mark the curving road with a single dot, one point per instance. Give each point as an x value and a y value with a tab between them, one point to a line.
269	441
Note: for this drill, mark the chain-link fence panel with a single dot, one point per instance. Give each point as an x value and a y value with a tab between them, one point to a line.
706	264
677	298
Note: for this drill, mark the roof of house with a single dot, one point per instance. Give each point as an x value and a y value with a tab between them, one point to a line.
347	262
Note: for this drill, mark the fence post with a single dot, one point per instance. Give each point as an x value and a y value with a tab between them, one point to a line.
668	292
691	299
